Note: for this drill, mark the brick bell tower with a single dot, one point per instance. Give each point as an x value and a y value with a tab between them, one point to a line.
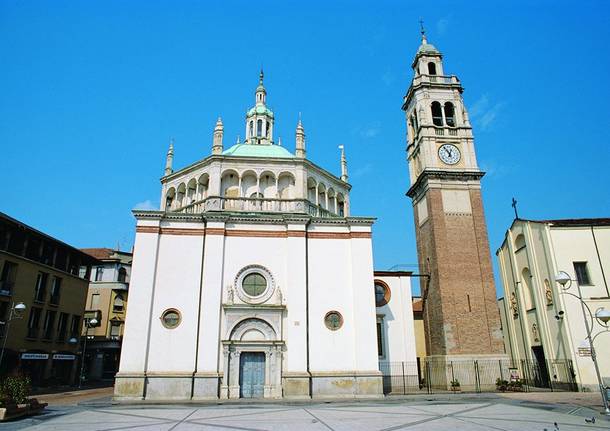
460	310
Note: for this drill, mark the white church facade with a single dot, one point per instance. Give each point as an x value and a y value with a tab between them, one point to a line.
254	280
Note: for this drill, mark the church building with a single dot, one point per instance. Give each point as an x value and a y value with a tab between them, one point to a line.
254	280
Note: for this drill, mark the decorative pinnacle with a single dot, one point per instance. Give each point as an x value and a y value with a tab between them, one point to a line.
344	176
261	76
169	159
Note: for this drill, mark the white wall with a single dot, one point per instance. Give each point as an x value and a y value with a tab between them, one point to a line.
398	320
183	269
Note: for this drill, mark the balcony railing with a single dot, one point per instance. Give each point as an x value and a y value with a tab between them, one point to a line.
437	79
213	203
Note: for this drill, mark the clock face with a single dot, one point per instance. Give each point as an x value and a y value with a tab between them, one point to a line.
449	154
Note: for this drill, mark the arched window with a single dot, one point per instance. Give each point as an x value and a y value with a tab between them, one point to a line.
415	122
449	114
251	129
122	275
267	127
519	242
437	114
259	128
431	68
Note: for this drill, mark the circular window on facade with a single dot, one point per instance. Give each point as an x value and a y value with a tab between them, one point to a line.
382	293
254	284
171	318
333	320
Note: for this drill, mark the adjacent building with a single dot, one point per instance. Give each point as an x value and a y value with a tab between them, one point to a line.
544	330
107	303
50	278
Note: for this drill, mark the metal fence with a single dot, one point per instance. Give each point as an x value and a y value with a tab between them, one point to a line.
445	376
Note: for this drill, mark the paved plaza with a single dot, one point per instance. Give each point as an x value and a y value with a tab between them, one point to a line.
563	412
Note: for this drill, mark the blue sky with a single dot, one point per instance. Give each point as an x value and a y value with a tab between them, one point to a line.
92	91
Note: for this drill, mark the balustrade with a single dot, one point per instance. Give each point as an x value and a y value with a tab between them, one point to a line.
265	205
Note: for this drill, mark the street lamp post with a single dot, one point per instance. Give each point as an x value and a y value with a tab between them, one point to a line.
16	312
601	315
89	323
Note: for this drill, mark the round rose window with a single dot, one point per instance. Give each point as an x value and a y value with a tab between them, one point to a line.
170	318
333	320
254	284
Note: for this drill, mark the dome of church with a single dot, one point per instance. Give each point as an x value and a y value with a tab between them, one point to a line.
427	47
251	150
260	109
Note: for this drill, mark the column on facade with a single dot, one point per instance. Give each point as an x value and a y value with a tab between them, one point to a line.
224	387
210	302
234	374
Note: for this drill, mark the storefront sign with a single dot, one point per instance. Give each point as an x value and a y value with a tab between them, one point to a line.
60	357
35	356
514	374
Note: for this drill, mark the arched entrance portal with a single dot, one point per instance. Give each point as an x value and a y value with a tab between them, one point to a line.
252	361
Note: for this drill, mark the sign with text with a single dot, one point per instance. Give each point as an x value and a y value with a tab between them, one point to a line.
35	356
62	357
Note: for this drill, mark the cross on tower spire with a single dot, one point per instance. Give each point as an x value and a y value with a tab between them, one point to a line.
422	31
514	205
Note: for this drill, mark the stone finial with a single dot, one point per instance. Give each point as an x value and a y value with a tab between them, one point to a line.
169	160
217	147
343	164
300	140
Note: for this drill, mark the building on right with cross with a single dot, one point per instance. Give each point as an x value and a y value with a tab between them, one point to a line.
543	321
459	299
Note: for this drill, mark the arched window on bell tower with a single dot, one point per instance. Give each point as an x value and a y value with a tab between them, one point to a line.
449	114
437	114
251	129
259	128
431	68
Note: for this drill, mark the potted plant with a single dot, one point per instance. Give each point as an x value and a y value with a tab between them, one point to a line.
516	385
455	385
14	391
501	385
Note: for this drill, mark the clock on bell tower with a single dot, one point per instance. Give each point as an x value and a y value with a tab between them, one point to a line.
460	309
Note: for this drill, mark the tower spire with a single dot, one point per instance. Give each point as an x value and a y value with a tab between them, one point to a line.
261	93
169	160
343	164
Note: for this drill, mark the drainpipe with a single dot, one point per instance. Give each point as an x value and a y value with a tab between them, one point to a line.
307	306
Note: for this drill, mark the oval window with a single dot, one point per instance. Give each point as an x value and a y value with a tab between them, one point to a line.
254	284
333	320
382	293
171	318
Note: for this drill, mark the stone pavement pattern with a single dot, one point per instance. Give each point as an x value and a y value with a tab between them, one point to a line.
386	416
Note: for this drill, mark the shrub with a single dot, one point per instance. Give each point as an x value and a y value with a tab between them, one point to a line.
455	384
15	389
